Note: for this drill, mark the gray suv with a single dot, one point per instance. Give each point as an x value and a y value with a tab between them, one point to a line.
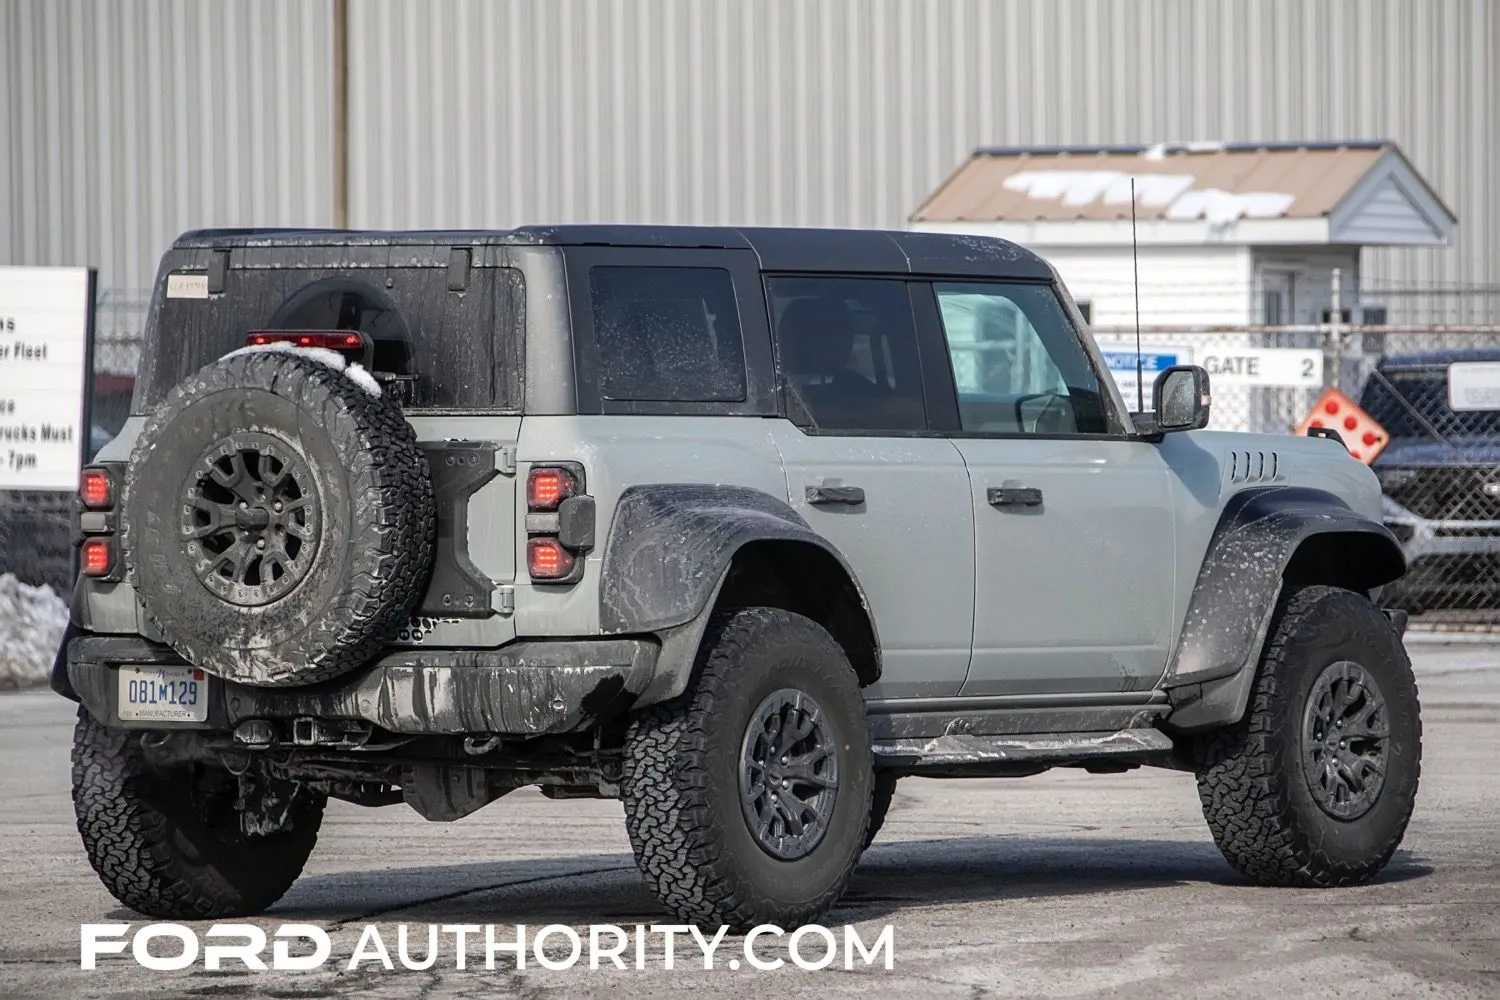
738	526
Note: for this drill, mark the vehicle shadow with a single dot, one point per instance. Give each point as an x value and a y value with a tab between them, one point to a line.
893	876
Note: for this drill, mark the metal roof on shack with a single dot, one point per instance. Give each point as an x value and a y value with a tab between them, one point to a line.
1367	191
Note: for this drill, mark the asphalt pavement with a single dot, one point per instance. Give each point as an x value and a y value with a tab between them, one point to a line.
1065	884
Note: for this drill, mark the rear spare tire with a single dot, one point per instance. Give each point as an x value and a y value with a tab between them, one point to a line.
278	519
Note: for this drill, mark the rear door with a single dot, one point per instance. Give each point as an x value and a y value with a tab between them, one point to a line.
868	474
1074	527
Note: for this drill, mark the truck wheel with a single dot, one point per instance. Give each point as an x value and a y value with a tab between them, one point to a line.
1314	787
279	520
880	803
169	844
747	798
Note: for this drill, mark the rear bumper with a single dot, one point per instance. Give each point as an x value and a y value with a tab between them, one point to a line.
522	689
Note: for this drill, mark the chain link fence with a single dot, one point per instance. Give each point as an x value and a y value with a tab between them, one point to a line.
1432	381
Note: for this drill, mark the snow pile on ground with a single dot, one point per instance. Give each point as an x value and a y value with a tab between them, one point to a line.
32	620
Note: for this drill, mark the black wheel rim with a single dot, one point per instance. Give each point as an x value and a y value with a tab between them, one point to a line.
1345	737
788	774
250	519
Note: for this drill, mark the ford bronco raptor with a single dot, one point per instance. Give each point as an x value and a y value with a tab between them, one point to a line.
738	526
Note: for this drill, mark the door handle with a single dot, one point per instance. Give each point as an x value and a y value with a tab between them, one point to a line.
825	496
1018	496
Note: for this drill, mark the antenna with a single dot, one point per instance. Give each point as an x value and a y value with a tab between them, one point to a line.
1135	267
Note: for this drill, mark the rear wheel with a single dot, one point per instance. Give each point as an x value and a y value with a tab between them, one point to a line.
1315	786
169	843
747	799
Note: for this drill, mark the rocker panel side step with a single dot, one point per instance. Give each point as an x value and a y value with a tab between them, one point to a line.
961	753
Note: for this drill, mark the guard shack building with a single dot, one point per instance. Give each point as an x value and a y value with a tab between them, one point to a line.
1229	236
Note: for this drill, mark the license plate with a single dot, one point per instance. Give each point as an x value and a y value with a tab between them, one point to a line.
163	694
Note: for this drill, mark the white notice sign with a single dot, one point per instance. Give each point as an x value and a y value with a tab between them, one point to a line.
1474	385
1264	366
44	323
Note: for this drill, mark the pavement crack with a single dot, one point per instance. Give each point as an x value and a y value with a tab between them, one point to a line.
379	912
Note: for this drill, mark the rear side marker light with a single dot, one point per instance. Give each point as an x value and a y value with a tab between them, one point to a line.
97	557
546	559
547	487
95	489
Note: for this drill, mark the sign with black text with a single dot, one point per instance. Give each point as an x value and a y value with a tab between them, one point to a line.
44	357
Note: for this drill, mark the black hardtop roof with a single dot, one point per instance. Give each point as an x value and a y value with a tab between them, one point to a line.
779	249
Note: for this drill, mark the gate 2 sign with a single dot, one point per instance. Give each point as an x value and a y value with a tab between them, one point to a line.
45	318
1265	366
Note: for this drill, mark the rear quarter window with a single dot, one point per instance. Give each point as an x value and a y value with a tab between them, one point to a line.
463	350
667	334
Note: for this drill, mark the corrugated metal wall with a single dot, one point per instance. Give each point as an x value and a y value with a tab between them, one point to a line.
129	119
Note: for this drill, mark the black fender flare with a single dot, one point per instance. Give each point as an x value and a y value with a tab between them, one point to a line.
1260	543
669	551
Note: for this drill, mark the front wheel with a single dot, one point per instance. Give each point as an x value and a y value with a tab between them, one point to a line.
168	843
747	799
1315	786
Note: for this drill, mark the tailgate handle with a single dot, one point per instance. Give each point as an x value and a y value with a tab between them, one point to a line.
1019	496
824	496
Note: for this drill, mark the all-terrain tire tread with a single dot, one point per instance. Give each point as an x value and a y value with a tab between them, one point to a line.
394	517
1240	768
135	848
666	785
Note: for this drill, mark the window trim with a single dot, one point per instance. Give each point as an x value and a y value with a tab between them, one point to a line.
1120	427
930	378
755	335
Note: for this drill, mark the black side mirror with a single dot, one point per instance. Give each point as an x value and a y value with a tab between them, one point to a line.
1181	398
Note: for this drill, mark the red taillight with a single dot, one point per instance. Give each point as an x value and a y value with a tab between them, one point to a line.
95	489
96	557
335	340
548	487
546	559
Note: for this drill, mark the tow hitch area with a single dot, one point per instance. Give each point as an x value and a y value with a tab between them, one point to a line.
306	731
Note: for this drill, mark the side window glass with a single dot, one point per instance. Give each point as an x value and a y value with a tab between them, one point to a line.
848	351
667	334
1017	362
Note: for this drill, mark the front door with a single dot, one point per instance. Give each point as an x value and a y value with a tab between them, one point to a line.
860	471
1074	540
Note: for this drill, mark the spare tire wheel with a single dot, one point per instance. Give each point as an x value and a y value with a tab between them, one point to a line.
279	519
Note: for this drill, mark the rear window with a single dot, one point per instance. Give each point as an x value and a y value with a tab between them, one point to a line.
667	334
1405	402
462	349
